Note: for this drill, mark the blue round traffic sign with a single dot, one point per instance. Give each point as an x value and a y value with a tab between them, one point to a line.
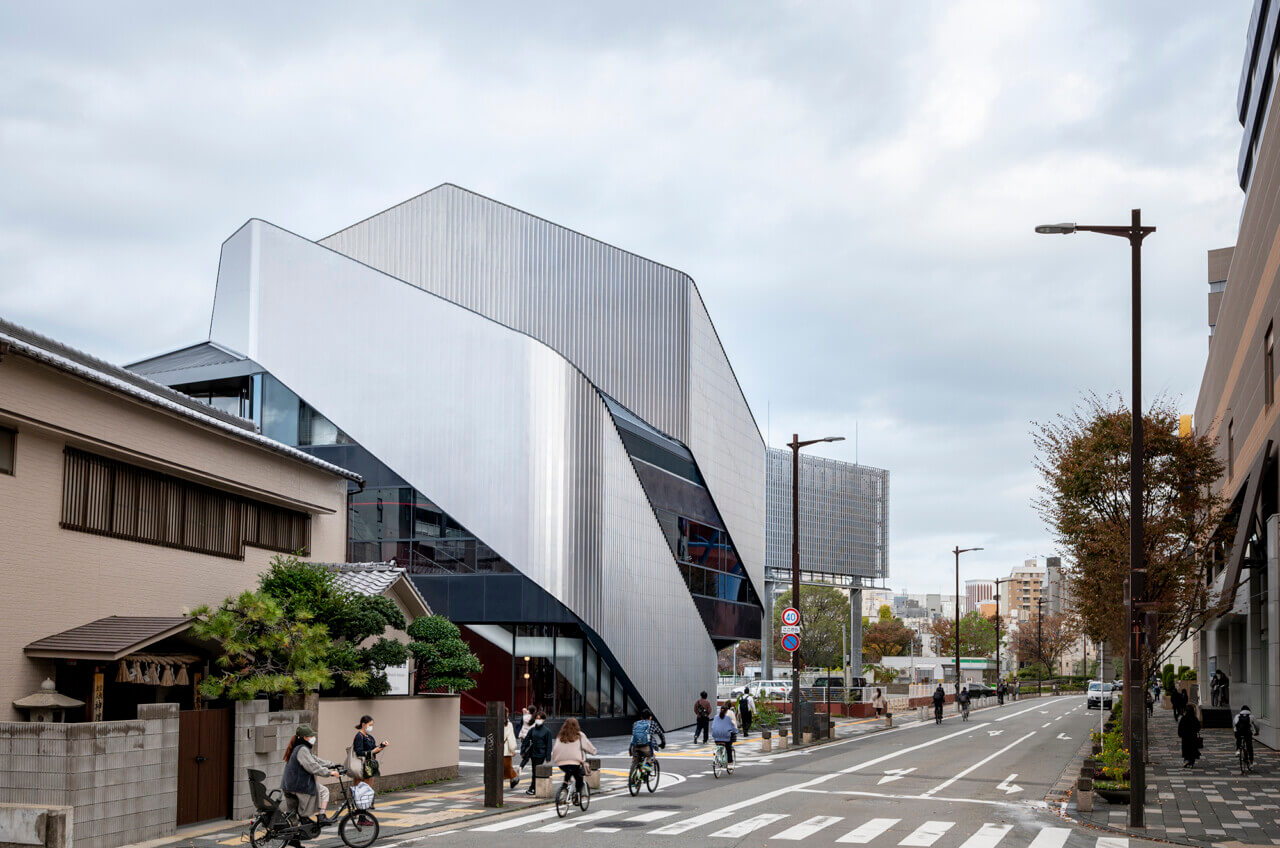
791	642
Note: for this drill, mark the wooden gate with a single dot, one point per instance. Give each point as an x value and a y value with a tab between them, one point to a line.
204	765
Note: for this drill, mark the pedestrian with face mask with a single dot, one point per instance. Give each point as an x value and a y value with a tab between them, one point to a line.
537	749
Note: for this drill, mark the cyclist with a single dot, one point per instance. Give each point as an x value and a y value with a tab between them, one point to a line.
643	734
939	698
963	700
570	754
1245	729
724	731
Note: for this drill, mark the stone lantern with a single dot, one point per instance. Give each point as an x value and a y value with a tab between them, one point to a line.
47	704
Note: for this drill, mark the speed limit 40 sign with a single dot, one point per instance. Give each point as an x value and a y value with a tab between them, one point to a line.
791	616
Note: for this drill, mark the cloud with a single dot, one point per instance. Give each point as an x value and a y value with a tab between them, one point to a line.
853	186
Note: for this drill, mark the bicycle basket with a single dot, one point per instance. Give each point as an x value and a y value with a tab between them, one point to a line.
362	796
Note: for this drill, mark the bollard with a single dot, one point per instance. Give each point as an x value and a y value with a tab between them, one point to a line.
593	779
1087	767
782	740
766	741
542	774
1084	794
807	737
888	719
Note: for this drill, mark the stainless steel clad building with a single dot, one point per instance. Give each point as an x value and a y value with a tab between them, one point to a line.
553	440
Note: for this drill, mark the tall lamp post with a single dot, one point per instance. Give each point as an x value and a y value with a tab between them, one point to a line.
1039	646
999	671
959	550
1133	699
795	446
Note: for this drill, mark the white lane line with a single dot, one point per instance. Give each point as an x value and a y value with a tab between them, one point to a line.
1015	715
598	830
950	799
1051	837
864	833
1113	842
742	828
1046	724
944	784
927	834
574	821
897	753
690	823
652	816
807	828
516	822
988	836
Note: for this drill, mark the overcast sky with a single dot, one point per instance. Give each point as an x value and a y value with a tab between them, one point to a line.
852	185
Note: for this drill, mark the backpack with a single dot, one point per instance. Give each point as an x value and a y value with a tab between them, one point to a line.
700	710
640	733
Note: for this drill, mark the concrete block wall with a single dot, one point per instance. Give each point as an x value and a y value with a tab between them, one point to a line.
121	777
250	715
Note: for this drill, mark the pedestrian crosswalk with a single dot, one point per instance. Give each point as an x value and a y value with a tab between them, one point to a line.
877	832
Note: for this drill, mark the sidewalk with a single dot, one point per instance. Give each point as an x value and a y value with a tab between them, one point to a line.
462	799
1207	805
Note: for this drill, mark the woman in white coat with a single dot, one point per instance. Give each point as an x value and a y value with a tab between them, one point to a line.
509	748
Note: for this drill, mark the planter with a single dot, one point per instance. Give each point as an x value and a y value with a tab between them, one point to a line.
1165	701
1113	796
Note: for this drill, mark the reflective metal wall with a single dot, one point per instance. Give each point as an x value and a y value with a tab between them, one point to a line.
635	328
540	472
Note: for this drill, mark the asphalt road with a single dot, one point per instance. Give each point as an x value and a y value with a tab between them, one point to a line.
975	784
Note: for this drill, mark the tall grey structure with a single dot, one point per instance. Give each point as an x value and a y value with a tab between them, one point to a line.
844	531
553	440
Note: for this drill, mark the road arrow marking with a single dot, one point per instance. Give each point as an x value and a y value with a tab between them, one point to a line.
894	774
994	732
1063	736
1009	788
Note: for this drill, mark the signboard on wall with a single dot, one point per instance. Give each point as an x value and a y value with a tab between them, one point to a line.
398	678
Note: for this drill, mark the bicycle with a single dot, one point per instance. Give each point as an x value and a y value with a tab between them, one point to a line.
937	713
1244	749
720	761
645	773
566	798
274	827
964	712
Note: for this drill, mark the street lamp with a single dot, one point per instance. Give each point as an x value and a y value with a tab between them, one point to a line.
795	446
999	672
959	550
1039	646
1133	700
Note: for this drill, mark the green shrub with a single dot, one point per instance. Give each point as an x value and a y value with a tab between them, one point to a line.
1167	677
1185	673
767	714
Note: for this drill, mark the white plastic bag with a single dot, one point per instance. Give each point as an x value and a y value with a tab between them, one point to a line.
362	793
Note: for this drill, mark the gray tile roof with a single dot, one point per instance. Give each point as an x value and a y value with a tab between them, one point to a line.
24	342
365	578
108	638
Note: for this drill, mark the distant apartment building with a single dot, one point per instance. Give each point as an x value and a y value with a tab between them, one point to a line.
977	591
1020	593
1237	401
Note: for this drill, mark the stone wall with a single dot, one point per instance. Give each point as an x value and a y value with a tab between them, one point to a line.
279	727
121	777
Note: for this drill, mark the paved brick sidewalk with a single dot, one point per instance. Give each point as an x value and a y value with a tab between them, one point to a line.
1207	805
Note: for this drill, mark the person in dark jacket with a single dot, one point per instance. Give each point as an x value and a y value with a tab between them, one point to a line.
1189	733
1001	689
301	769
939	698
1177	700
702	717
367	749
537	747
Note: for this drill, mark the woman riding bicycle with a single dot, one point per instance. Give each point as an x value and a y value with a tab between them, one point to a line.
724	732
570	753
302	767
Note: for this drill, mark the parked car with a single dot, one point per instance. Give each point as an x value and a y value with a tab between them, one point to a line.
837	682
1099	695
981	690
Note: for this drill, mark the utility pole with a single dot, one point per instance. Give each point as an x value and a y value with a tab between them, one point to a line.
959	550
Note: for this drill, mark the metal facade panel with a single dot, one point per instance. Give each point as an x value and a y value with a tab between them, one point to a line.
498	429
618	317
844	511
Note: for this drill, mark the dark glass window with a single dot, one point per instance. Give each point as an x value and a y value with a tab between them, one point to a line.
592	688
569	674
8	445
535	665
381	513
1269	367
1231	448
233	395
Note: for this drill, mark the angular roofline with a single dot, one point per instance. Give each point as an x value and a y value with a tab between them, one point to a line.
692	282
209	342
71	361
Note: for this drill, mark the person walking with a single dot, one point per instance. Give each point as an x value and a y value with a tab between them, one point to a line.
1001	689
570	754
1176	701
1213	688
702	717
509	747
366	749
939	698
1189	733
1017	689
537	749
724	731
747	709
1224	689
879	704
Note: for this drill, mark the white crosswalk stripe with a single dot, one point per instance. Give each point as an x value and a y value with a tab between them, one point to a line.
863	834
516	822
927	834
988	836
807	828
1113	842
1051	837
742	828
574	821
690	823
